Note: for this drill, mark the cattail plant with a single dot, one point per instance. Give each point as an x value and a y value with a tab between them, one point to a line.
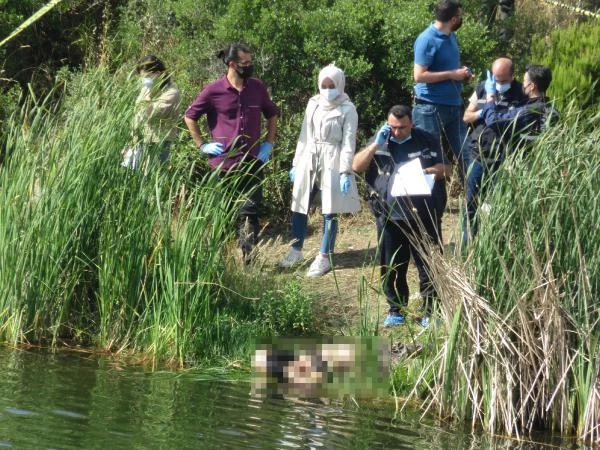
521	309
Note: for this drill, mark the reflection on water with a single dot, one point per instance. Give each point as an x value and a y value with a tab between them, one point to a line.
75	400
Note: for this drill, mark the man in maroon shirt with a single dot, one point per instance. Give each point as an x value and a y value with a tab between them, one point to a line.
233	105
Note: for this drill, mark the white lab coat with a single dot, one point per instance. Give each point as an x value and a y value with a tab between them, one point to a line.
332	153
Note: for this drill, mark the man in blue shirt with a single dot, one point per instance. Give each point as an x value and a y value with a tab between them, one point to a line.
438	75
406	225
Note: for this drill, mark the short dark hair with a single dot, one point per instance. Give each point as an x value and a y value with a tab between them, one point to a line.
400	111
232	53
540	75
150	63
446	10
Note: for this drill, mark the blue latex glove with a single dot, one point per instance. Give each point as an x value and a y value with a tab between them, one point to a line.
212	148
264	151
292	174
490	84
345	183
382	135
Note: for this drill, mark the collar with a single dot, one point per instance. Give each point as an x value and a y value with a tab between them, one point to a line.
224	81
439	33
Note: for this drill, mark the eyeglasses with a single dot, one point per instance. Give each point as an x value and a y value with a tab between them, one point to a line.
244	63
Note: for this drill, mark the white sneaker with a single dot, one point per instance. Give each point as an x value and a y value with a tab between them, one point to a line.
292	258
320	266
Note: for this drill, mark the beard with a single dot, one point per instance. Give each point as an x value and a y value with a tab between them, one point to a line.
457	25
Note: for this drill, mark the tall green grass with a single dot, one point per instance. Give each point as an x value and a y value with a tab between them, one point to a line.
98	254
522	311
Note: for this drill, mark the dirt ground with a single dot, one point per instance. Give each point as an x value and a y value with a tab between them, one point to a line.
354	281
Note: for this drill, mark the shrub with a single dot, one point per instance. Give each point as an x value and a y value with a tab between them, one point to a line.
286	312
573	55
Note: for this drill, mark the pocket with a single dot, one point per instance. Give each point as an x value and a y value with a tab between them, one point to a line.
425	116
253	114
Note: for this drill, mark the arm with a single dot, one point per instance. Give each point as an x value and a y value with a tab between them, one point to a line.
143	108
201	105
515	120
301	144
440	171
270	112
192	125
166	103
271	129
421	74
348	140
363	158
471	114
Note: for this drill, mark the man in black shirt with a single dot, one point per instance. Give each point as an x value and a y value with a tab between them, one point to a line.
406	224
507	130
482	156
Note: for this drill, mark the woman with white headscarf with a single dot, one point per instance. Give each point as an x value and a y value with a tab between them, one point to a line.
323	162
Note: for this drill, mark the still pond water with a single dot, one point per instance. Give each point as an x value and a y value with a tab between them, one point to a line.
69	400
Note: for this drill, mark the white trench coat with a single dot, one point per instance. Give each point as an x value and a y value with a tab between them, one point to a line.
335	151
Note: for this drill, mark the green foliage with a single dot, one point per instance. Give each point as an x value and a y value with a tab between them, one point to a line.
286	312
62	37
573	55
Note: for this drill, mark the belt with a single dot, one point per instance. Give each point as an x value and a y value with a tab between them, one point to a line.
420	101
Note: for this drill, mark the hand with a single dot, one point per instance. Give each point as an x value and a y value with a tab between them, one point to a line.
490	84
264	151
345	183
382	135
461	73
292	174
212	148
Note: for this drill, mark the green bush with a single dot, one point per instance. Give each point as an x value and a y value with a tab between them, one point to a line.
573	54
287	312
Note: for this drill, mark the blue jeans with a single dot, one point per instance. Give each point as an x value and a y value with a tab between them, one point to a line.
300	225
446	121
480	179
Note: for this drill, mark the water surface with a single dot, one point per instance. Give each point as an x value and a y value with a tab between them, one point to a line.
71	400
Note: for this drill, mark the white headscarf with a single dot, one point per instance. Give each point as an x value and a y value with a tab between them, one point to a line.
336	75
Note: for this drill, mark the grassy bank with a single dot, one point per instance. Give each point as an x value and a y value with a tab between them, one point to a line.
517	350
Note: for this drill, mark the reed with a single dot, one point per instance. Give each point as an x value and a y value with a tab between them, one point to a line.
102	255
521	311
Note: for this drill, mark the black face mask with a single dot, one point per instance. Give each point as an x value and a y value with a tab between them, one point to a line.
245	72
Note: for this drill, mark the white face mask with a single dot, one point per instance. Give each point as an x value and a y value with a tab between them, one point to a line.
400	141
329	94
501	88
147	82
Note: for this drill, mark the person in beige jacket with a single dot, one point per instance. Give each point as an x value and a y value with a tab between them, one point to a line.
323	163
157	110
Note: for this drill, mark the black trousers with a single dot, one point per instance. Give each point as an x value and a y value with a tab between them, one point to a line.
245	183
398	241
